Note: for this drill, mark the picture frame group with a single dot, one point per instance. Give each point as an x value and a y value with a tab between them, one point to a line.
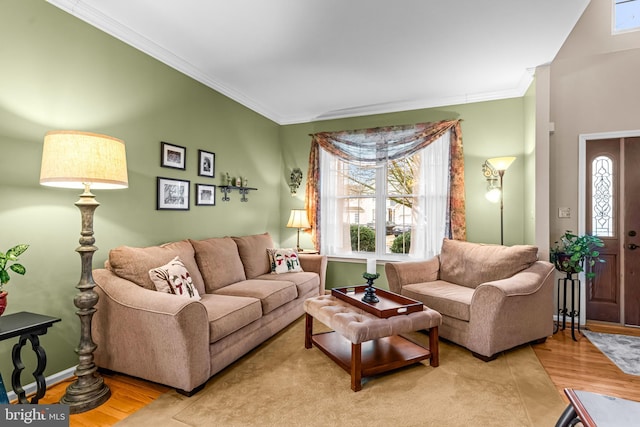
173	193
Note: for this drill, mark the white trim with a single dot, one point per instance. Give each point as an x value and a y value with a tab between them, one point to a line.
50	380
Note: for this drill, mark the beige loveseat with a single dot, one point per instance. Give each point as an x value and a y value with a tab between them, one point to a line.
491	297
182	342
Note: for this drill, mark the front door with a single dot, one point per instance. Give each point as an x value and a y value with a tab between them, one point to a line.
613	213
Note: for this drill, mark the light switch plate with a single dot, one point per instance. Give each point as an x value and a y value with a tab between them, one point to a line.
564	212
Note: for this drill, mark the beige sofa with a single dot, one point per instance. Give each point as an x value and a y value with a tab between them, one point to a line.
491	297
182	342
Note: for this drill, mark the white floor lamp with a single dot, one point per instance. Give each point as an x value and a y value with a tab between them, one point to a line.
72	159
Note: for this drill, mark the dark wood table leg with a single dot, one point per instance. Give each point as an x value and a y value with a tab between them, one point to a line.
356	367
19	367
434	347
308	330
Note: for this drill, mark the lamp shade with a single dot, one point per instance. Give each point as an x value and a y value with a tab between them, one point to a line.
501	163
71	159
298	219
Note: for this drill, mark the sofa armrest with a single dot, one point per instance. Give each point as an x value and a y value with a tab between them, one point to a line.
149	334
512	311
315	264
404	273
525	282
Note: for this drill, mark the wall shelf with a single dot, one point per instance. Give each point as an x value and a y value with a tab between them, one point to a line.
226	189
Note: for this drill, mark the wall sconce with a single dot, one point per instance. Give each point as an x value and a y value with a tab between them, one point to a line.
492	168
493	186
296	179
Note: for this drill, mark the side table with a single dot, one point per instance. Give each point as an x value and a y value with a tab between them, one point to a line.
28	326
598	410
572	283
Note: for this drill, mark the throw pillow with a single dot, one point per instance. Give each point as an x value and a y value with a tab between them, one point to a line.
173	278
284	261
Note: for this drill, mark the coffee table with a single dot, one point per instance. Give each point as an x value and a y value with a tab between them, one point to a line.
364	342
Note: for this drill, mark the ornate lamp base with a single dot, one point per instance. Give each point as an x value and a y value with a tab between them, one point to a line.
370	292
88	391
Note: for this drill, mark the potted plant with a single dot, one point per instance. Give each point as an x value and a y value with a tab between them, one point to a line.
572	251
8	261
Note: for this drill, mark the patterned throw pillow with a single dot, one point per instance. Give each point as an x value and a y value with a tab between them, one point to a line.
173	278
284	261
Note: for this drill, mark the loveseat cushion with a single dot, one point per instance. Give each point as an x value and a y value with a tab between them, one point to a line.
304	281
253	253
134	264
219	262
227	314
470	264
272	293
446	298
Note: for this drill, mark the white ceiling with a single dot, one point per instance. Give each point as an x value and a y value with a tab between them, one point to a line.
297	61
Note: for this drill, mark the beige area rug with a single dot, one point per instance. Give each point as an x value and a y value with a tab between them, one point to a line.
281	383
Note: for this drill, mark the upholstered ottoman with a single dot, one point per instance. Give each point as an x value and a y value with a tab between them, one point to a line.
364	344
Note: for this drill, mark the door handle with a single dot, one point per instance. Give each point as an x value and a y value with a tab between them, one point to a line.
632	246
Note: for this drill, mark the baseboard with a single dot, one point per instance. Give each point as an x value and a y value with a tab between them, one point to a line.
50	380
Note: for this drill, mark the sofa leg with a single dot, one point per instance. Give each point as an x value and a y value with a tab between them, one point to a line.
192	392
539	341
484	358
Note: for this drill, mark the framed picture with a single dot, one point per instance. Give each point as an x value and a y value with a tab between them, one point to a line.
173	156
206	163
173	194
205	195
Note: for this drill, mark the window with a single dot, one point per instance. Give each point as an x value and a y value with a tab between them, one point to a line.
385	208
626	15
602	196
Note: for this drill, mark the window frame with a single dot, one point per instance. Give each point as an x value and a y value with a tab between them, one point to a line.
614	17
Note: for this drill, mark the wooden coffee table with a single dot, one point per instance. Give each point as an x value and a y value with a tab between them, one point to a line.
359	342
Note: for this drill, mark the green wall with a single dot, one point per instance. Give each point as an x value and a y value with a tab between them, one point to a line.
59	73
489	129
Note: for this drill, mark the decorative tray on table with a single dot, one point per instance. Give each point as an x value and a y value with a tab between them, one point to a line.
389	304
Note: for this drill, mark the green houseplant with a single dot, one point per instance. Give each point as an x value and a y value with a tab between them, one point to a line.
8	261
572	251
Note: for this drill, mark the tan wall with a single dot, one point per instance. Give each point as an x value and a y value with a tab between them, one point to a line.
594	88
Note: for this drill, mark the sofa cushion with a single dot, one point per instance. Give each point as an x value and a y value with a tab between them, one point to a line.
219	262
305	281
272	293
174	278
470	264
134	264
227	314
253	253
446	298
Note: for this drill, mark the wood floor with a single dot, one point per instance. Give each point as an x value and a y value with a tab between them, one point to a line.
569	364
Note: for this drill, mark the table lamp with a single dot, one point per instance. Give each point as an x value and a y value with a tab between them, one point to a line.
72	159
298	219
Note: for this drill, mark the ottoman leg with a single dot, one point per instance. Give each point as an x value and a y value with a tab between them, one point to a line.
308	330
356	367
433	347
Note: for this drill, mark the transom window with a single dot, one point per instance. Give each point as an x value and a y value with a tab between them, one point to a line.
626	15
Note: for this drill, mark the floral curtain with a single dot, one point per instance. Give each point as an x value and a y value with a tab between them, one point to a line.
383	144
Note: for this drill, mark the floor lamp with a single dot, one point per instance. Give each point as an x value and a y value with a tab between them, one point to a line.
501	164
72	159
298	219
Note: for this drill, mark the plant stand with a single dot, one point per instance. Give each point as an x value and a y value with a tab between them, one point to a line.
568	281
